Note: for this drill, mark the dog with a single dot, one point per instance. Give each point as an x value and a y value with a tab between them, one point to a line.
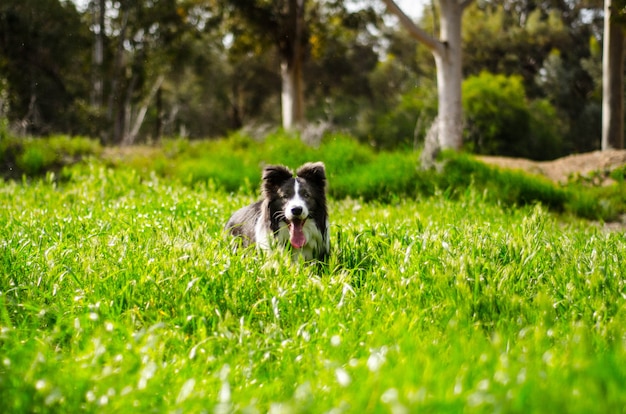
292	212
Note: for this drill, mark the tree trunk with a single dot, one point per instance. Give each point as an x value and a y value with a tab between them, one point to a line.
447	54
158	128
98	9
115	113
292	95
612	82
126	113
131	136
449	77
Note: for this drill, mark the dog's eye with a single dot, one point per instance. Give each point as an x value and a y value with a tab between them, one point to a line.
305	194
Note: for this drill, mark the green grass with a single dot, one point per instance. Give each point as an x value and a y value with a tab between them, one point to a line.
234	164
356	170
119	293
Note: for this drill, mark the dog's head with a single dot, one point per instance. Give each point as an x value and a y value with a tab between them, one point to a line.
295	199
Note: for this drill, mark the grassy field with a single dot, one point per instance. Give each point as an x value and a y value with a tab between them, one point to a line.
119	293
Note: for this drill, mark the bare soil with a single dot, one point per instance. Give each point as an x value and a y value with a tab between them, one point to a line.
595	165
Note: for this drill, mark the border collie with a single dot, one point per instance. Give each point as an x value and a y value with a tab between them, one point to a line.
292	211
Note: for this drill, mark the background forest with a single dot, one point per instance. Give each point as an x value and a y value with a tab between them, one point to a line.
134	71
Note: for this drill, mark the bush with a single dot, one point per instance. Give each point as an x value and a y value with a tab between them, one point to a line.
35	156
76	147
354	170
597	202
509	187
35	159
343	152
500	120
387	176
402	125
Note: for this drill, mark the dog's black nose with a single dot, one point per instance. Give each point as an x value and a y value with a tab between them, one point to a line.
296	211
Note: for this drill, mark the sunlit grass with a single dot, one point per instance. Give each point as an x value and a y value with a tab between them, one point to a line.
119	293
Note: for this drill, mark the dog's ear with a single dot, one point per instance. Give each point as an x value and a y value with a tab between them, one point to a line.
273	177
313	172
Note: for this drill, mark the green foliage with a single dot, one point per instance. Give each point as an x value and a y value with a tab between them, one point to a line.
45	49
72	147
35	159
594	202
501	121
619	174
402	106
120	293
546	137
354	170
218	61
552	55
404	124
507	187
36	156
387	177
494	109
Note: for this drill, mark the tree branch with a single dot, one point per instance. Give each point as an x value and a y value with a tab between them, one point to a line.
427	40
141	114
465	3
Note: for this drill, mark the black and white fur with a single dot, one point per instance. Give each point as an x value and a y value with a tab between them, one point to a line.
292	212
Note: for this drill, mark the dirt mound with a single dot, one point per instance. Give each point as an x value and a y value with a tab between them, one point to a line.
562	169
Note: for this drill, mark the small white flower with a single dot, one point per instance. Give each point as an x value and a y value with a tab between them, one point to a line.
186	390
343	378
389	396
375	361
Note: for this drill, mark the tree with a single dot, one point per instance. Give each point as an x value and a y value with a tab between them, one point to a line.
342	54
148	41
613	77
301	31
448	60
282	23
98	10
43	54
554	47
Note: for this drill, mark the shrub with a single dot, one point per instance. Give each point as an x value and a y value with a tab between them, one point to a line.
354	170
35	156
74	147
501	121
402	125
386	176
495	113
602	202
506	186
545	140
35	159
343	152
226	172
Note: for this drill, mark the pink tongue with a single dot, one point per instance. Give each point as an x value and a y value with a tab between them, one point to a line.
296	234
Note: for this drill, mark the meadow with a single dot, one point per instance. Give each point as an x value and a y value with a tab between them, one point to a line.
120	293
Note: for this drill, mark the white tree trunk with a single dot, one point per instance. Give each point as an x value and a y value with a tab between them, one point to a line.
292	95
449	77
612	82
129	138
447	53
98	8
